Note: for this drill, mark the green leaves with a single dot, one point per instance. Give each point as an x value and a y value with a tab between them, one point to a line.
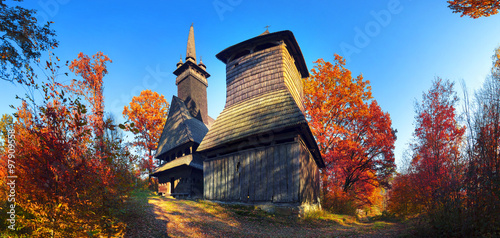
26	34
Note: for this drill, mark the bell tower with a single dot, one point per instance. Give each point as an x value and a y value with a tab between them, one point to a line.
192	82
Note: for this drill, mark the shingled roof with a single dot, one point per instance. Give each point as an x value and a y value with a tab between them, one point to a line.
188	160
180	127
271	111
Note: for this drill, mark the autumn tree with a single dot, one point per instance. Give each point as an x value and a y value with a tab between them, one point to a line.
51	144
22	40
402	197
436	150
354	134
432	186
483	160
147	114
474	8
453	182
92	70
68	188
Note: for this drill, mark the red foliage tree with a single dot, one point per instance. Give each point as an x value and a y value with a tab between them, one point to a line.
66	188
354	135
436	151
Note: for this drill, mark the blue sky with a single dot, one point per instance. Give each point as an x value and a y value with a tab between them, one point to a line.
399	46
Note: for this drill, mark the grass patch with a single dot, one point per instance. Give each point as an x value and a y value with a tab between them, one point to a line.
379	225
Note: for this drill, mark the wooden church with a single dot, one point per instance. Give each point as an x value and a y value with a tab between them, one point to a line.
260	149
181	168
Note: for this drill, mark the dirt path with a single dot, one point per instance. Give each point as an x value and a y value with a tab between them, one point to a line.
167	217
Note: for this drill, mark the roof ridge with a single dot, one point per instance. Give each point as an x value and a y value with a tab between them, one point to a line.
180	127
183	122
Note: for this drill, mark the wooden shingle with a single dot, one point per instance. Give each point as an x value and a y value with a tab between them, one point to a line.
180	127
263	113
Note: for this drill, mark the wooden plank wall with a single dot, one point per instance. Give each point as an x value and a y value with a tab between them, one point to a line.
309	177
262	174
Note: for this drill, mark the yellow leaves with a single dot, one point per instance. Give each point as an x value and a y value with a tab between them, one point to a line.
148	112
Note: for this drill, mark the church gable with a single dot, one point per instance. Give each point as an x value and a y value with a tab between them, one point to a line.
180	128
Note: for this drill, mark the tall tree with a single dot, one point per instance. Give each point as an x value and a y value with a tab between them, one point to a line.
456	186
92	70
354	135
22	40
147	114
483	170
474	8
437	168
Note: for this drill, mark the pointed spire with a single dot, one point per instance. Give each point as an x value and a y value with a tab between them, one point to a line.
191	50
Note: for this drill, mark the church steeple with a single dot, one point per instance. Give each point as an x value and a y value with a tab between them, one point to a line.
191	49
192	82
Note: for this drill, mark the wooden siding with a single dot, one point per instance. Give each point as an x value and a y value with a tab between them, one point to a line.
186	181
261	72
309	176
265	174
293	79
254	74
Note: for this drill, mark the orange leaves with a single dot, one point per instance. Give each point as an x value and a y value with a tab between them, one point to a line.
354	135
435	173
474	8
147	114
70	186
91	87
332	91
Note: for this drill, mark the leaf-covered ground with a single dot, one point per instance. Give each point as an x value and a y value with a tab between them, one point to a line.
154	216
